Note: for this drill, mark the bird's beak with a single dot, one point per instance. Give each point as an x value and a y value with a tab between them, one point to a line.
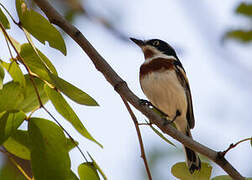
140	43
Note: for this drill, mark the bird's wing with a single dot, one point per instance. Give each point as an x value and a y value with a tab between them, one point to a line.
184	82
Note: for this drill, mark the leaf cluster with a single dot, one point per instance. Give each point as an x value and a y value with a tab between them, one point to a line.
40	140
243	35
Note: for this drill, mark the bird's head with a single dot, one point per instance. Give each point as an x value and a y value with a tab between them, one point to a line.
155	48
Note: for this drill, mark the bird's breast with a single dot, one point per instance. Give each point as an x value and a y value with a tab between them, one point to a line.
164	90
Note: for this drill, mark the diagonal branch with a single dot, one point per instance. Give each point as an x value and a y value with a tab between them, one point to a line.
121	87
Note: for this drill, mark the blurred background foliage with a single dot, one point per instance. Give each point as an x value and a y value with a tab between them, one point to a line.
242	34
112	20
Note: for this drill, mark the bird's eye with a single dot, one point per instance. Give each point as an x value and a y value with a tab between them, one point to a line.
155	43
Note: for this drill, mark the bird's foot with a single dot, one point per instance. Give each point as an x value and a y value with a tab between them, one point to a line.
178	113
166	121
144	102
150	105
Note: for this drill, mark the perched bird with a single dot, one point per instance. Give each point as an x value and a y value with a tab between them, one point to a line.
164	82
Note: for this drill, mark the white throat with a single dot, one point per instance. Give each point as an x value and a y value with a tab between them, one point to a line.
157	54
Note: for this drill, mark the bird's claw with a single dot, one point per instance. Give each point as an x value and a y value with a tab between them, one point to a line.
165	122
144	102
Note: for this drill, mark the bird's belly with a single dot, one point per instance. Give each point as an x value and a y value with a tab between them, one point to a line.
163	89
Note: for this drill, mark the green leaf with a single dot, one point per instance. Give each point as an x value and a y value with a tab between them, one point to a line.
4	20
9	122
162	136
14	97
67	112
31	101
49	156
87	171
18	144
15	72
40	55
72	92
97	167
10	96
245	9
39	65
240	35
40	27
1	77
180	170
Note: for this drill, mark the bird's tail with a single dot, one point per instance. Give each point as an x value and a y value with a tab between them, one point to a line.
192	159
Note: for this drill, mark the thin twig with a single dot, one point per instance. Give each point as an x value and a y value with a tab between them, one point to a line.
139	137
8	48
16	164
223	153
65	132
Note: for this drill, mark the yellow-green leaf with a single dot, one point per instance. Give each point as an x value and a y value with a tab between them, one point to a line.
70	144
49	156
39	27
15	72
4	20
180	170
67	112
162	136
39	54
11	96
97	167
87	171
39	65
240	35
72	92
15	97
9	122
245	9
31	101
18	144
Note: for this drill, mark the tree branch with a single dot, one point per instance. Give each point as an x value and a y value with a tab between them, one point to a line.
121	87
139	137
231	146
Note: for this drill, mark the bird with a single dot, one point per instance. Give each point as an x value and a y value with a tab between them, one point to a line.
164	82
